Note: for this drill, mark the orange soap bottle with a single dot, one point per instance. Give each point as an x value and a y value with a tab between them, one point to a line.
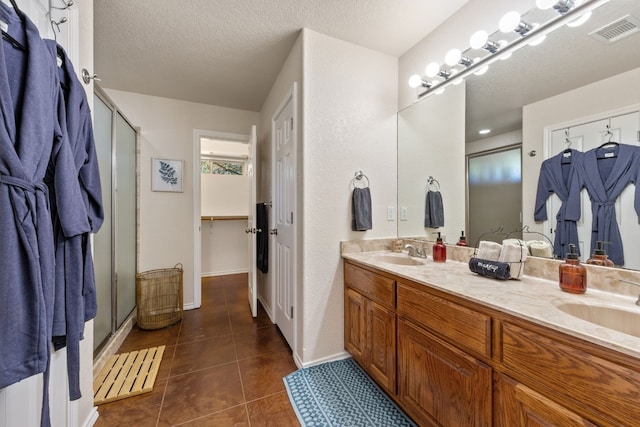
573	275
599	256
439	250
463	240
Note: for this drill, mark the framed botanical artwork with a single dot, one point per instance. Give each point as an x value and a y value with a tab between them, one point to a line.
166	175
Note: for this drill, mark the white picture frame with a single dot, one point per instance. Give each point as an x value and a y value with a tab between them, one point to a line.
167	175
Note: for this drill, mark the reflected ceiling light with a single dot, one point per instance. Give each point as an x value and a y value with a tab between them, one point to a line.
416	81
511	22
484	131
537	39
582	18
577	22
439	91
480	40
505	55
454	57
562	6
482	70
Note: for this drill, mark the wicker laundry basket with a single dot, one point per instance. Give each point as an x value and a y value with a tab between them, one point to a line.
159	297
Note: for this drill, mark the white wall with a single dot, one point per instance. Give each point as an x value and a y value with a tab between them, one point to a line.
350	105
493	142
167	131
224	195
224	247
604	96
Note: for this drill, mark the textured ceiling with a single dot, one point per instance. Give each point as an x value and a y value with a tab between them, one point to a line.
229	52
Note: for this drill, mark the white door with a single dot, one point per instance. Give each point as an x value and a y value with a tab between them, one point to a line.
284	144
251	223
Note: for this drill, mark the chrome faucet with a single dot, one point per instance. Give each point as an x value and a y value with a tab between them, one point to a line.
415	252
633	283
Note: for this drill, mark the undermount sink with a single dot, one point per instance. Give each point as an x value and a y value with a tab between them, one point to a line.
616	318
398	260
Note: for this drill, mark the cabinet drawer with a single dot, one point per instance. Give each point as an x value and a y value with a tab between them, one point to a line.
465	327
375	287
602	387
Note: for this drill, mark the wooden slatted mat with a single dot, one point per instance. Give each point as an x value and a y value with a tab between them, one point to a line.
127	374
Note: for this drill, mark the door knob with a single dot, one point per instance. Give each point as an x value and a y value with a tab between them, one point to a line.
273	231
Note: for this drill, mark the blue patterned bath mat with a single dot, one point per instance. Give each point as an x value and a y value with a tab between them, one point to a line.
339	394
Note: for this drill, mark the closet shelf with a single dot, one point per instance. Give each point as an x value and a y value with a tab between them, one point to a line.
223	218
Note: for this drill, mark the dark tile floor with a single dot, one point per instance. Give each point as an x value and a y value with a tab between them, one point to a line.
221	367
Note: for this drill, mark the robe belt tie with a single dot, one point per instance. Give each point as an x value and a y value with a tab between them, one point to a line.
23	183
602	214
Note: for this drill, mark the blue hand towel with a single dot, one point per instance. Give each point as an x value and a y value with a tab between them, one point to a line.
433	210
490	268
361	208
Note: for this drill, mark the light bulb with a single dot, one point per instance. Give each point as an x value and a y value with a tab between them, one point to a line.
545	4
479	39
453	57
432	69
509	22
415	81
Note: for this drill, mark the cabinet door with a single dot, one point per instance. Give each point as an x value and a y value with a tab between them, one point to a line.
381	345
520	406
438	383
355	326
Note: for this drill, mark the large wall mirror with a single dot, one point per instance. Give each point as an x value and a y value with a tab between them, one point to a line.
570	58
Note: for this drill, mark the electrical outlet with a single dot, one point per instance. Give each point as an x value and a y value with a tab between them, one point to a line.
403	213
391	213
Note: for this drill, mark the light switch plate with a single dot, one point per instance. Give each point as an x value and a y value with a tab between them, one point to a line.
403	213
391	213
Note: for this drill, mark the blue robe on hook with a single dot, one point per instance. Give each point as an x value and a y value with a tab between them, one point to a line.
75	299
32	148
605	173
557	175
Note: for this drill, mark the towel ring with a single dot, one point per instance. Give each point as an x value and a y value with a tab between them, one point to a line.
359	176
430	182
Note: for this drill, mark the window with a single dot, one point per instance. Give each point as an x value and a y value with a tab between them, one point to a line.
221	167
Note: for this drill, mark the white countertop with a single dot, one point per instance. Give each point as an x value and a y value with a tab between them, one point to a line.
531	298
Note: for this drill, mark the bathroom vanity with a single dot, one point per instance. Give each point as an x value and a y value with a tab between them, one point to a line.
456	349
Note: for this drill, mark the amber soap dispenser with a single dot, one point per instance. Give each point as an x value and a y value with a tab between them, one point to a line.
439	250
599	256
573	275
463	240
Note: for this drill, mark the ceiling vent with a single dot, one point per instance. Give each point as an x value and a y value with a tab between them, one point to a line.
617	30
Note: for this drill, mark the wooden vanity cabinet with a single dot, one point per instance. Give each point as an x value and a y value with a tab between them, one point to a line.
438	384
370	324
460	363
518	405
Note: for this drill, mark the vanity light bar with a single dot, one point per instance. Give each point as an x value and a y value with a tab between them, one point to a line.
535	33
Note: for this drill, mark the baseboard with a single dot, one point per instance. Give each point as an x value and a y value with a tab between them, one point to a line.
189	306
332	358
224	273
92	418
